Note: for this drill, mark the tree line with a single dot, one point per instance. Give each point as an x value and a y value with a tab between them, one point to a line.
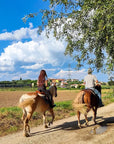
33	83
18	83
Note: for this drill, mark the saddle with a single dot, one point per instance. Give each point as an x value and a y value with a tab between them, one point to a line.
92	91
42	94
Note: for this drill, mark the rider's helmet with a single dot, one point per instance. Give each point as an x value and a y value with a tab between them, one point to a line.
89	71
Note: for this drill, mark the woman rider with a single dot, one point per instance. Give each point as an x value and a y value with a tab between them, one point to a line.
42	83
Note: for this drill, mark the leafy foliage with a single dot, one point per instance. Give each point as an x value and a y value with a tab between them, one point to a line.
88	28
18	83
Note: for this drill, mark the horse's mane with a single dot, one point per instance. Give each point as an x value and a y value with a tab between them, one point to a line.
51	88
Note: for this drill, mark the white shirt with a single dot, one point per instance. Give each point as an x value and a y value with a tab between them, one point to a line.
90	81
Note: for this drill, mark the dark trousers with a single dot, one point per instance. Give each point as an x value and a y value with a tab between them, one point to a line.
47	94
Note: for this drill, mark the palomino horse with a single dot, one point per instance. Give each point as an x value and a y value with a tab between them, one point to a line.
86	100
33	101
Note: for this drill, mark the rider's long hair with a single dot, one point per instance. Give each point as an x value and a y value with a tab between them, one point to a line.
41	78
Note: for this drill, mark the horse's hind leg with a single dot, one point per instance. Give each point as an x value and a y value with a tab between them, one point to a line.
78	115
53	116
95	112
26	131
24	114
86	119
44	121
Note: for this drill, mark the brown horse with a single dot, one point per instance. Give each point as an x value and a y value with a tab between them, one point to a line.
86	100
33	101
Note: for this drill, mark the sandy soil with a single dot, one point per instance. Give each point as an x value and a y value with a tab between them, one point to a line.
66	131
11	98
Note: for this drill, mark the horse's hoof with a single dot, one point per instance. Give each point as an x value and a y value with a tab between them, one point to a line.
26	134
95	123
79	126
86	124
46	126
50	123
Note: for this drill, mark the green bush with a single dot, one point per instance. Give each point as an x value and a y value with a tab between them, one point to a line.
82	87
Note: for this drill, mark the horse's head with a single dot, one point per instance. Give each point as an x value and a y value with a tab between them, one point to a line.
98	87
53	90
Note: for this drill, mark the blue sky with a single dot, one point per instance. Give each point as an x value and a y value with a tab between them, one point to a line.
23	53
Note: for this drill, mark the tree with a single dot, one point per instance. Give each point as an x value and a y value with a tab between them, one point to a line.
111	81
88	28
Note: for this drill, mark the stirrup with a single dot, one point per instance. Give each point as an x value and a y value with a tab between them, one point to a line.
101	105
53	105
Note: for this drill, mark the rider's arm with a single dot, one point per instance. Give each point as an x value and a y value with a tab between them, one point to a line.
46	81
95	79
37	82
84	81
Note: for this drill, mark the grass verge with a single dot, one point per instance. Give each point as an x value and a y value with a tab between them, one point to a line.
10	118
108	98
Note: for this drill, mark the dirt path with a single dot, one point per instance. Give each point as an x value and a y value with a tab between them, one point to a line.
66	131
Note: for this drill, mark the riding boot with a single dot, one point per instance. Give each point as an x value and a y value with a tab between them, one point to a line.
52	105
50	102
100	103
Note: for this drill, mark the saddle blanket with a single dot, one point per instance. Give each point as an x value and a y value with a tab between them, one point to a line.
40	93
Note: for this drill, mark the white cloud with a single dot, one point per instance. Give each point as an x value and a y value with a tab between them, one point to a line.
35	66
80	74
22	33
33	54
16	76
73	74
27	75
36	53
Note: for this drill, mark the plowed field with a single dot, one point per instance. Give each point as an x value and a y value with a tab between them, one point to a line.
11	98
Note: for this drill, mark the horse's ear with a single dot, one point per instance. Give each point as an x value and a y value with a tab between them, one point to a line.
52	84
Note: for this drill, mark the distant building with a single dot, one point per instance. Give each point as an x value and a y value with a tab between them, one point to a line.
56	80
32	85
74	85
74	80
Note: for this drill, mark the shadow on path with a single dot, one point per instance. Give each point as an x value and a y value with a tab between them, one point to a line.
74	125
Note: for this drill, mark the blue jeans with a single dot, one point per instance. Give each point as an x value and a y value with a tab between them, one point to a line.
96	92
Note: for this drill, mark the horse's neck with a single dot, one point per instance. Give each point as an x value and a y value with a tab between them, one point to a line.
51	91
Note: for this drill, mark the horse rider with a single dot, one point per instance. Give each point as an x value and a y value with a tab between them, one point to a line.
42	83
90	81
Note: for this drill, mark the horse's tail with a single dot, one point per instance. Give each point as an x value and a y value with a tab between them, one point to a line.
26	103
80	107
78	103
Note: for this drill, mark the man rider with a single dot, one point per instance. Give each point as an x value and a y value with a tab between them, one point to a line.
90	81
